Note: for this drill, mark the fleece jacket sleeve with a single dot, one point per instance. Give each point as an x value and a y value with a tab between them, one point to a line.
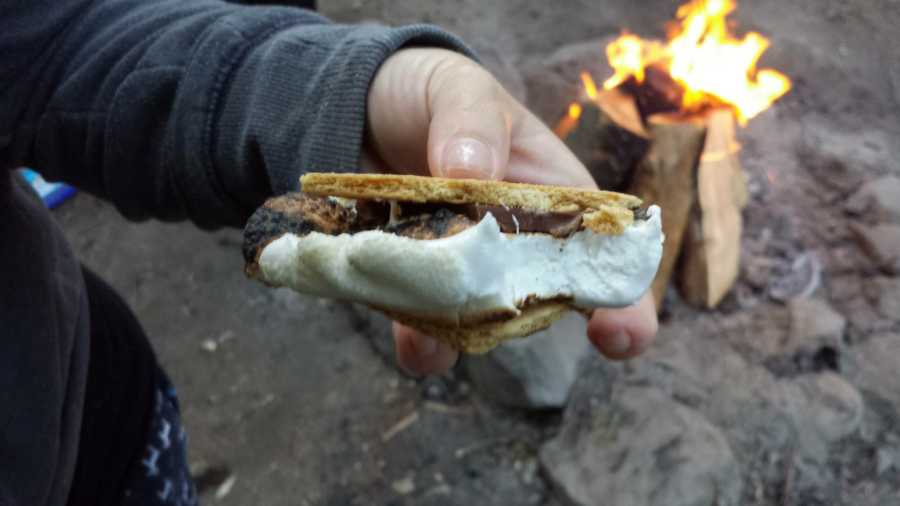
176	109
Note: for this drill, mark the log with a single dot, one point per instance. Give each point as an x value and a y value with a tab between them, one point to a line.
657	93
606	134
667	177
711	256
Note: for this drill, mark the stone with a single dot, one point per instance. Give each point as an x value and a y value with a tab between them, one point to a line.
825	408
536	372
878	200
877	361
641	447
375	326
886	459
884	294
882	244
801	279
404	486
814	324
553	82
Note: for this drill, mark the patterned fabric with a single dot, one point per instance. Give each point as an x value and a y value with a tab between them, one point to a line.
162	477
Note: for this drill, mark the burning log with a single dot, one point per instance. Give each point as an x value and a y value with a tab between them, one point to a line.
711	256
605	132
684	95
667	177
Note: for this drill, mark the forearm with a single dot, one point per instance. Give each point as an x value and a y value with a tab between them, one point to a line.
193	110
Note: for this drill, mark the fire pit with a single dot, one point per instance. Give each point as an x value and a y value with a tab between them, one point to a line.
663	129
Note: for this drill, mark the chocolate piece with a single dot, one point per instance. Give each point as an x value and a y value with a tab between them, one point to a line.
370	214
521	220
511	220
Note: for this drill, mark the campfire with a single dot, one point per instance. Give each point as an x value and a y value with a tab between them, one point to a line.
666	121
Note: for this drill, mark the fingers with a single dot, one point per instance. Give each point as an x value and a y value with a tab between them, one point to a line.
421	355
624	333
398	115
471	120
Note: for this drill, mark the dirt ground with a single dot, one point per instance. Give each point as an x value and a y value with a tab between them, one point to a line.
287	393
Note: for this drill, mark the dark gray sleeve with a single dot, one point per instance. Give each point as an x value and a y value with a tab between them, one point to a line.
174	109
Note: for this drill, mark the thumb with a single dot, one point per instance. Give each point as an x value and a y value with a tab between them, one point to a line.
469	133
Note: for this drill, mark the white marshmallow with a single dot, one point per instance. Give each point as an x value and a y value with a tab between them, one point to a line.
477	270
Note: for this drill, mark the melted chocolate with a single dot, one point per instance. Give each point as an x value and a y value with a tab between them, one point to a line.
511	220
301	214
521	220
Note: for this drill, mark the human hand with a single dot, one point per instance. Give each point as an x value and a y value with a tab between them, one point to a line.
436	112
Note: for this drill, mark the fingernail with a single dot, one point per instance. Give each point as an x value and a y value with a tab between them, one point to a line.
427	346
618	343
468	157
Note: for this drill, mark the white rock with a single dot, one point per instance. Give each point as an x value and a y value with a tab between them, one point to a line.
534	372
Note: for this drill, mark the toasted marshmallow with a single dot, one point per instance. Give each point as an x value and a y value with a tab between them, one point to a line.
475	272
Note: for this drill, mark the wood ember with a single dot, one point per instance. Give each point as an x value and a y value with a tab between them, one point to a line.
608	138
711	256
667	177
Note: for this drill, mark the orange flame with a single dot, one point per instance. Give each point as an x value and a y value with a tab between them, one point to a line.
711	65
574	111
589	87
569	122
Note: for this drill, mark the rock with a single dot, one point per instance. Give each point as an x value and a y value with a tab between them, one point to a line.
882	244
825	408
404	486
875	371
374	325
854	296
641	448
814	324
878	200
553	82
884	294
536	372
801	280
608	151
886	459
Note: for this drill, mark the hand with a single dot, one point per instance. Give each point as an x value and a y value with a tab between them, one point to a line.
435	112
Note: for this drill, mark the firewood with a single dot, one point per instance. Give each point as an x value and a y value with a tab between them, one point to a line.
608	137
711	256
667	177
657	93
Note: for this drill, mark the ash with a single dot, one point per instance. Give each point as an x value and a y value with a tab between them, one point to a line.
789	393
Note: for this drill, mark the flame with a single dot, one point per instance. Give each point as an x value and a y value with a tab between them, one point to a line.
712	65
574	111
590	89
569	122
